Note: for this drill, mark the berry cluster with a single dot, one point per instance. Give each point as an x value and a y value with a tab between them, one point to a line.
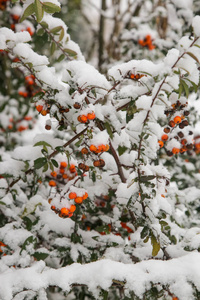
78	199
64	208
64	173
99	149
174	133
30	88
100	163
64	212
85	118
197	144
147	42
42	109
18	125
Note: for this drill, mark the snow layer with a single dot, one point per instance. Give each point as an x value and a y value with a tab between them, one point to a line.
176	273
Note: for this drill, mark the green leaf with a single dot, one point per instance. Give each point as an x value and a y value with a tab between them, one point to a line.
30	240
147	178
53	48
44	24
186	89
193	56
146	239
77	144
70	52
40	162
55	163
2	203
61	57
28	11
195	87
45	168
40	255
93	176
61	34
109	130
42	143
180	89
40	32
50	8
144	232
39	12
28	223
121	150
156	245
3	106
56	29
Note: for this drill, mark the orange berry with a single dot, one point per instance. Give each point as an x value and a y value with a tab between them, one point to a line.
164	137
72	208
82	118
64	211
93	148
79	118
162	195
103	148
177	120
29	80
62	171
52	183
85	196
161	144
151	47
53	207
72	195
183	141
70	215
171	123
96	163
182	150
72	168
63	164
43	112
91	116
107	147
53	173
102	163
29	30
64	176
77	105
27	118
100	148
166	129
22	128
78	200
123	225
84	150
39	108
175	150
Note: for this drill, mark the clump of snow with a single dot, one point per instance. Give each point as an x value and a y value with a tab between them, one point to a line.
196	25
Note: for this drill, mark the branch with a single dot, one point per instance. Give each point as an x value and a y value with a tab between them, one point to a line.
119	167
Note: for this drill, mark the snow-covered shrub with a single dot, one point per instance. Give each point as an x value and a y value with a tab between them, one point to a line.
99	174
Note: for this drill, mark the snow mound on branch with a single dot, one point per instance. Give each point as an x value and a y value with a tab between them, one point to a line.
178	273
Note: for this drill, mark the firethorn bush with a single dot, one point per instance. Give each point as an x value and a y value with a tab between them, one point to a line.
99	167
